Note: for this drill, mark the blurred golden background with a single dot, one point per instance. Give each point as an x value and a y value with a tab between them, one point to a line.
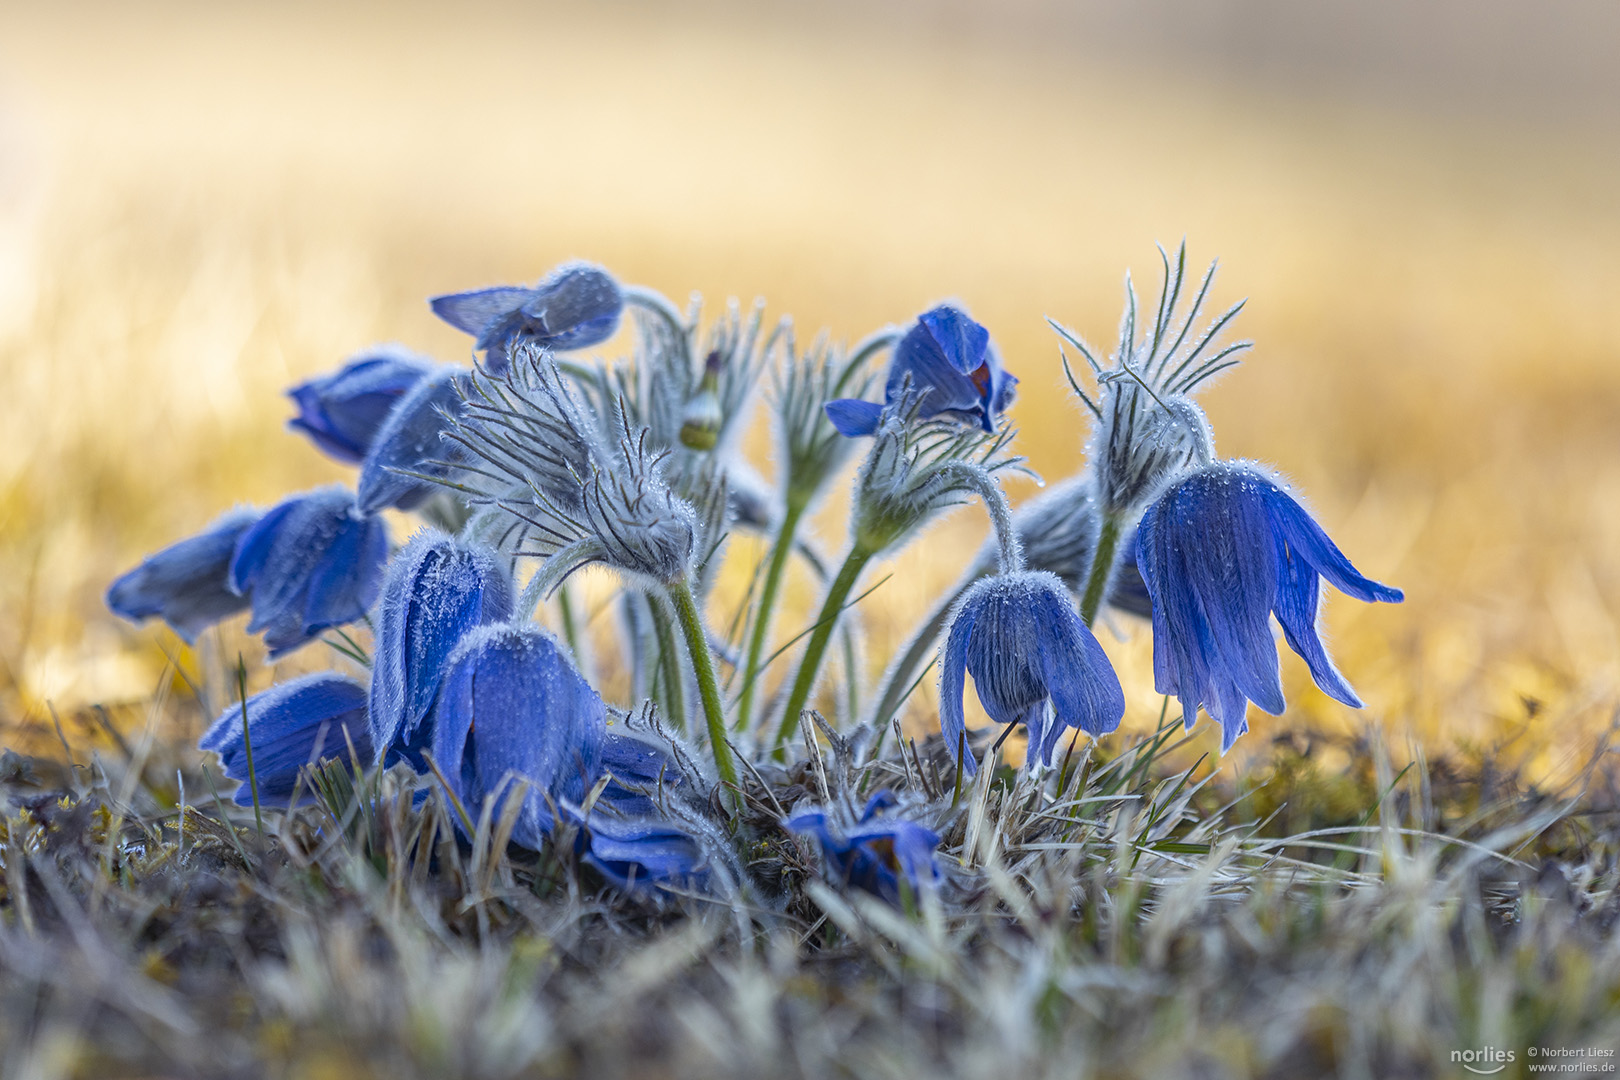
200	204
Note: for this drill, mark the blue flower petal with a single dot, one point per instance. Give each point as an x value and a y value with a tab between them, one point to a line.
1083	686
638	853
343	411
411	441
853	417
292	725
952	675
474	312
187	584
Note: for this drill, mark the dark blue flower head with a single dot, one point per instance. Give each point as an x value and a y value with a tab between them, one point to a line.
1221	550
644	771
438	590
343	411
877	853
309	564
411	440
512	706
186	584
577	305
1021	639
292	725
638	853
946	357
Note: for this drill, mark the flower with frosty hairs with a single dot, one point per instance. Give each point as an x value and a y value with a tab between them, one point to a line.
643	771
1221	550
292	725
877	853
576	306
411	441
342	411
438	590
1020	637
309	564
187	584
948	359
513	708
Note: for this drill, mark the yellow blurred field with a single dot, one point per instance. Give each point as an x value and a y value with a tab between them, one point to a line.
199	206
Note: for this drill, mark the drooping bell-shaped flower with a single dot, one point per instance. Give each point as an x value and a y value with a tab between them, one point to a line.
292	725
309	564
512	707
1222	550
1021	639
437	591
646	852
949	360
187	584
576	306
877	853
343	411
411	441
644	772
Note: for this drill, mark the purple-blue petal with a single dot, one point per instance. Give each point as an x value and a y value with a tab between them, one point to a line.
474	312
292	725
853	417
187	584
412	440
343	411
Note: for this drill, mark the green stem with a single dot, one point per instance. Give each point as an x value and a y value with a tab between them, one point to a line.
767	602
680	594
805	681
1102	569
669	664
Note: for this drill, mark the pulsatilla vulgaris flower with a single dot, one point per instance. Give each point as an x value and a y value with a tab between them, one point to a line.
410	444
1221	550
1020	637
644	771
292	725
512	708
948	359
638	853
577	305
342	412
438	590
186	584
877	853
309	564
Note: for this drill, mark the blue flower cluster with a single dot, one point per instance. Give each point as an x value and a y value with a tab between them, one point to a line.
520	462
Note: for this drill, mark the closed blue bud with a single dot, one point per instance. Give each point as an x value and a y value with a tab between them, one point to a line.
186	584
577	305
343	411
638	853
876	854
1023	642
292	725
512	706
411	440
309	564
949	360
1221	550
438	590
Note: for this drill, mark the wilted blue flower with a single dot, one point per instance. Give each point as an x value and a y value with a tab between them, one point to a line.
186	584
639	852
292	725
1221	550
576	306
946	357
309	564
1020	637
343	411
411	440
438	590
877	853
512	706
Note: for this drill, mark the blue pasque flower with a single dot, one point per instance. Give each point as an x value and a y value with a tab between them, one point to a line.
949	360
309	564
576	306
636	853
410	444
292	725
343	411
644	773
1221	550
438	590
877	853
186	584
1020	637
512	706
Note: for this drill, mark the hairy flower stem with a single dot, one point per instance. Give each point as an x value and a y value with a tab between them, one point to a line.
668	673
686	610
827	621
1102	569
780	551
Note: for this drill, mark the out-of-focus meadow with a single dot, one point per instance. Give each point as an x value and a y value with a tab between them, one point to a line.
200	205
